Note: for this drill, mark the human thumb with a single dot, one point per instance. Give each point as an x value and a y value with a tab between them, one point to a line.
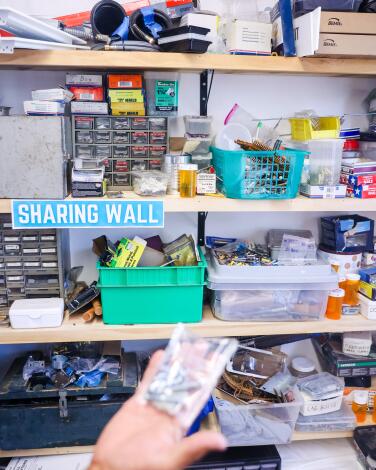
195	447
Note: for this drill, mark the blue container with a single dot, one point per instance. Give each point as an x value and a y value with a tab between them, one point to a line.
259	174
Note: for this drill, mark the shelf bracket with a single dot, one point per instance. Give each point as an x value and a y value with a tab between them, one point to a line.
204	87
201	219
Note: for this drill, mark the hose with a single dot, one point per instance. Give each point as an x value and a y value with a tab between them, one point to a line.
142	31
86	34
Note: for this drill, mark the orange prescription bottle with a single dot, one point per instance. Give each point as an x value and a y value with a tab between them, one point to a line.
360	405
351	290
335	302
188	179
342	283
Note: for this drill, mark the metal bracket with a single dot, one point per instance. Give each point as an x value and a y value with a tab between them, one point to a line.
201	219
63	404
204	87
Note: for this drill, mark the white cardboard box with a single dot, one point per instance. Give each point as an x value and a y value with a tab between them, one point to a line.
89	107
367	307
249	37
44	107
323	192
36	313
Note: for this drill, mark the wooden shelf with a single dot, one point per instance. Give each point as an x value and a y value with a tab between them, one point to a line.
222	204
100	60
74	330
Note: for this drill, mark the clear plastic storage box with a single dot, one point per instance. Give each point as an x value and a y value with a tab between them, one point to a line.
257	425
270	293
342	420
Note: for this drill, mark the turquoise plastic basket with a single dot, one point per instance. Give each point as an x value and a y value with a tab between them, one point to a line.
259	175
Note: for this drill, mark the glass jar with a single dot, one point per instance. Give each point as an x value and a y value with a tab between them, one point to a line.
302	367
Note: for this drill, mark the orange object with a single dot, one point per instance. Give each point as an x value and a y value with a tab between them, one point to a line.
360	405
87	93
124	81
351	290
188	179
89	315
335	266
342	283
97	307
335	302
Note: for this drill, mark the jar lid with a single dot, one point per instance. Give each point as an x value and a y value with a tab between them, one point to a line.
361	397
338	293
303	364
342	279
353	277
351	145
188	167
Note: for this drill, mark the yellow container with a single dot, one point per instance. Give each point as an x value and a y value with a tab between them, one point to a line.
128	109
328	128
188	179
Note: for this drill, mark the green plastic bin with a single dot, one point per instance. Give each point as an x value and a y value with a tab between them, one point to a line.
152	295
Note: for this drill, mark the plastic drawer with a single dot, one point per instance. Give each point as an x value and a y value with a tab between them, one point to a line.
252	425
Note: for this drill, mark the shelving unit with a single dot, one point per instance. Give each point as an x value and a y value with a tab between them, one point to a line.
102	60
222	204
73	330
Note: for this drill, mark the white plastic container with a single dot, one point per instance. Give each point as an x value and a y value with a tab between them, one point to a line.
270	293
367	307
325	161
198	125
357	343
253	425
349	263
37	313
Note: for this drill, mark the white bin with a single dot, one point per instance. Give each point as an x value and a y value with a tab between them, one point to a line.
37	313
257	425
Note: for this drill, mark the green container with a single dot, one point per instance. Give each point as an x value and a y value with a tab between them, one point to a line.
259	174
152	295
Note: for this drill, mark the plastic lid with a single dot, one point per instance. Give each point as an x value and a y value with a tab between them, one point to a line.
188	167
353	277
303	364
351	145
338	293
360	397
342	279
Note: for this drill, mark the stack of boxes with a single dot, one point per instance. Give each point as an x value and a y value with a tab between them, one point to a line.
126	94
51	102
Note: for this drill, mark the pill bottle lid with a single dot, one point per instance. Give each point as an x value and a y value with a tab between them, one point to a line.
361	397
335	263
351	144
303	364
188	167
353	277
338	293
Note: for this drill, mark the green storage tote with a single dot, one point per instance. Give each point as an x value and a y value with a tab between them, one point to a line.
151	295
259	174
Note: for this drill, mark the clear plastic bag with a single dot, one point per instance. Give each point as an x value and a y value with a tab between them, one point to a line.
297	250
321	386
189	371
150	183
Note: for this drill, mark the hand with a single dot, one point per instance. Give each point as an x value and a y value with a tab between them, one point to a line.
140	437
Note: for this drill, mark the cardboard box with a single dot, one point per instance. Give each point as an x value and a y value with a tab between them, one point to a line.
313	40
89	107
366	191
358	180
79	79
122	81
249	38
44	108
87	93
323	192
337	363
126	96
368	290
367	307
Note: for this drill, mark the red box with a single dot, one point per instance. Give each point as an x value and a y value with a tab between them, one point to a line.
359	180
87	94
367	191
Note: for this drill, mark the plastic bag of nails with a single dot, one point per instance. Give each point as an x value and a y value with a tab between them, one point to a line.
150	183
188	373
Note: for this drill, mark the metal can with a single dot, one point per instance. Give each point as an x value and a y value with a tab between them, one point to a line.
170	166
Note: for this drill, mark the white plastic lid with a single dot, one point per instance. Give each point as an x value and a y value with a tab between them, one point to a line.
303	364
188	167
353	277
337	293
361	397
342	279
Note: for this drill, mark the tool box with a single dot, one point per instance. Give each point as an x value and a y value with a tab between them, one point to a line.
33	417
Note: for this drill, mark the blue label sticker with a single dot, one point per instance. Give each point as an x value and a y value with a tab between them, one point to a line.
31	214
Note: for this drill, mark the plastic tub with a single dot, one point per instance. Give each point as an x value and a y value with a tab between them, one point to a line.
258	175
325	161
252	425
342	420
303	129
152	295
198	125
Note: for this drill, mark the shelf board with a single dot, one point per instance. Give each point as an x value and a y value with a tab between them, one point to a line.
100	60
222	204
74	330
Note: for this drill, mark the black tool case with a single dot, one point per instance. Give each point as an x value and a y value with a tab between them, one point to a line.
35	419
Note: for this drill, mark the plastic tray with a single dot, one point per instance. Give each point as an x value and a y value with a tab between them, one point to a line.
302	129
251	425
258	175
342	420
152	295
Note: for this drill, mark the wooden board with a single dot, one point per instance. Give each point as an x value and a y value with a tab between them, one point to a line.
100	60
72	331
222	204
